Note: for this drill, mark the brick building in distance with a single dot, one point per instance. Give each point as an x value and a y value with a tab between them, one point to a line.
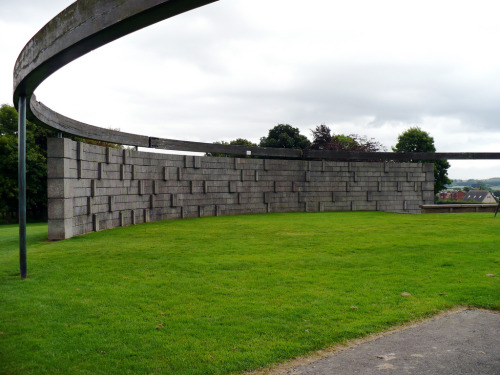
456	195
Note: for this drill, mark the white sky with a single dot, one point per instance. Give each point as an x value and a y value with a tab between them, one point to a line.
236	68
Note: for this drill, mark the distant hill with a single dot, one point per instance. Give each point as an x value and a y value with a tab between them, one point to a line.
492	183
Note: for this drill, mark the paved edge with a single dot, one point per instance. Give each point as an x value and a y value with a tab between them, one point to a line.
287	367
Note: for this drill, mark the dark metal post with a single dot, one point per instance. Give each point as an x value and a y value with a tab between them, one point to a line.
22	184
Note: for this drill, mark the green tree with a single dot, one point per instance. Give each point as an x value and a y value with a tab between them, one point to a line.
323	139
36	165
234	142
285	136
417	140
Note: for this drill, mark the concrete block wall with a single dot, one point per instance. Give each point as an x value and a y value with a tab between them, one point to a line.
92	188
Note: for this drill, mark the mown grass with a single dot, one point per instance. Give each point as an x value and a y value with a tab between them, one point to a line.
226	294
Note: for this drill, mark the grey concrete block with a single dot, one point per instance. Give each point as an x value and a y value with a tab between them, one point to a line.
428	167
197	162
60	209
61	168
428	196
108	155
60	229
60	188
95	223
60	148
174	200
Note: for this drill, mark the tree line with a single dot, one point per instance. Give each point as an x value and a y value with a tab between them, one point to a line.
280	136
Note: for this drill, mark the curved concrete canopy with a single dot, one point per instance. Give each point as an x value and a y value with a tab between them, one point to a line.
82	27
89	24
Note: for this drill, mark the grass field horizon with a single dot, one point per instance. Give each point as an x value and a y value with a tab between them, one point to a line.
225	295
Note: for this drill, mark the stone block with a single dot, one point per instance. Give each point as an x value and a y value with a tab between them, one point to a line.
428	196
108	155
60	208
60	229
174	202
95	223
100	173
197	162
232	187
60	148
61	168
428	167
428	185
60	188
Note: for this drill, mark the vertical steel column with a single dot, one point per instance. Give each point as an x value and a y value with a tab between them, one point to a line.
22	184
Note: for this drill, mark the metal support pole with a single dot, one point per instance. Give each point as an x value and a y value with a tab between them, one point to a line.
22	184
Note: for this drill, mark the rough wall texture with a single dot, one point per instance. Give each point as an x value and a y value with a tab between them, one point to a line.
91	188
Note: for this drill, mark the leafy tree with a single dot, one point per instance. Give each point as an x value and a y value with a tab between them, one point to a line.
236	142
36	165
323	139
285	136
417	140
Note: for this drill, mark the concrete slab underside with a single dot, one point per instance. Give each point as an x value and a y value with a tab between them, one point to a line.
467	342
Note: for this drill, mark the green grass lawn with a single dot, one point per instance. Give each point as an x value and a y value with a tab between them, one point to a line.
222	295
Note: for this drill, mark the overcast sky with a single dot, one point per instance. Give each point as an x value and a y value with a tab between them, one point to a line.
236	68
